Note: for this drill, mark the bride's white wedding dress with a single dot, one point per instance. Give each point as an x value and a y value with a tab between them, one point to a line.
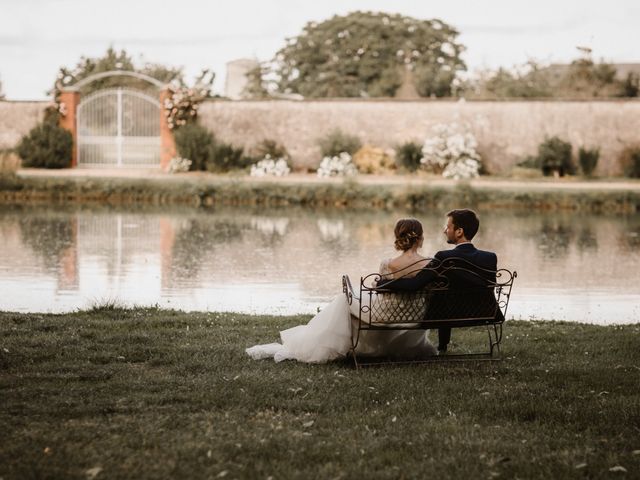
327	337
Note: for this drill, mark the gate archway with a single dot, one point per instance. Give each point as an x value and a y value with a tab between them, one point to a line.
119	128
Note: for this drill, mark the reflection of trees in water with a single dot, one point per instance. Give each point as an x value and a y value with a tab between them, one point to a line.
629	238
196	238
586	239
48	237
555	237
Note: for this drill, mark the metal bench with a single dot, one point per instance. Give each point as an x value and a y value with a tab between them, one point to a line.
461	295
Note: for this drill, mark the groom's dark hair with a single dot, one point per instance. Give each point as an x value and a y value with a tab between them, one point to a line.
467	220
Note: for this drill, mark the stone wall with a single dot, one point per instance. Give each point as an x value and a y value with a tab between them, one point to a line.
507	131
17	118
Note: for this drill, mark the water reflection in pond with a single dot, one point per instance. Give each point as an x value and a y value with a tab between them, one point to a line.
570	267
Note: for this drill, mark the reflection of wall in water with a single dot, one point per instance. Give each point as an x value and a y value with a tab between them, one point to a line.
53	239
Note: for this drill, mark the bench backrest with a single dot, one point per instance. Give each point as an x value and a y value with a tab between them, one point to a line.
460	294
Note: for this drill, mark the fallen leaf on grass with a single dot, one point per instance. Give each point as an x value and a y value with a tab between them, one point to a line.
307	424
580	465
636	452
223	473
618	468
92	472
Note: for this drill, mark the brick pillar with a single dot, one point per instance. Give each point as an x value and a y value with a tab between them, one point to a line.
69	120
167	142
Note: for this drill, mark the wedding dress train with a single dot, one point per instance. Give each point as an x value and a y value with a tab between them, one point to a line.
327	337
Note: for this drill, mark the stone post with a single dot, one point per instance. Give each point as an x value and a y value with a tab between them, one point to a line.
70	101
167	142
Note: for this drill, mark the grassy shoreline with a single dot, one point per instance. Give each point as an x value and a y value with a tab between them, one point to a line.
148	393
214	191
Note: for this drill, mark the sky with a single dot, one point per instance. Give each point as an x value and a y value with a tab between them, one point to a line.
37	37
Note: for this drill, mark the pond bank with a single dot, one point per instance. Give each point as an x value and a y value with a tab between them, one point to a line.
148	393
365	191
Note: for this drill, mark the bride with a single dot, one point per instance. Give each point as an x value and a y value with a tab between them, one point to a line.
327	336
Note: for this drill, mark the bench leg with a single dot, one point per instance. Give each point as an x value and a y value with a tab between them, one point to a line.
352	352
495	338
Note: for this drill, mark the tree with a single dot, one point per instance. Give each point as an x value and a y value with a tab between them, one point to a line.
113	60
587	79
529	81
256	87
365	54
581	79
630	86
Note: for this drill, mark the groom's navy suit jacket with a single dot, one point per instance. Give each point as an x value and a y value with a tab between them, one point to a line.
471	287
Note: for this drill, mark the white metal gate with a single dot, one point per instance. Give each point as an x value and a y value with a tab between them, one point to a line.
119	128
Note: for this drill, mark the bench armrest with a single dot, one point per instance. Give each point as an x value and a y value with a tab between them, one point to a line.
347	288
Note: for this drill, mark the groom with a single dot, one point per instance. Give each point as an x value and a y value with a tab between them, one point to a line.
462	226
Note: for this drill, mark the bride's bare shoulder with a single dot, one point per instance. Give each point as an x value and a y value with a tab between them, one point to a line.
406	267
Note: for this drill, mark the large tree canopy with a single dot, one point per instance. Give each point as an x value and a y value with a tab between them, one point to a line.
367	54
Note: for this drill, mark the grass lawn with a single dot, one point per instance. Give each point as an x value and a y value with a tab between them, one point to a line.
148	393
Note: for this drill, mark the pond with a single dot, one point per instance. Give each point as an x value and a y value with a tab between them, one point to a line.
574	267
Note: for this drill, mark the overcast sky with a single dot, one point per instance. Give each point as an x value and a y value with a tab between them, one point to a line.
39	36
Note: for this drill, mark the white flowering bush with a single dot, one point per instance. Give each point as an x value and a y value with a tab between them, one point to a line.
268	166
462	169
339	165
178	165
451	151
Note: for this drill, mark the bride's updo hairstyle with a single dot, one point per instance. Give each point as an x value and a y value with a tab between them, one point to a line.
408	233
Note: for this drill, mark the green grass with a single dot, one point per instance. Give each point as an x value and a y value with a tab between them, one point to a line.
212	192
148	393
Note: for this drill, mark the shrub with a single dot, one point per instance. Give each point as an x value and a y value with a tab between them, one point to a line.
630	161
46	146
554	156
530	161
588	159
196	143
337	142
373	160
271	148
408	156
225	157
